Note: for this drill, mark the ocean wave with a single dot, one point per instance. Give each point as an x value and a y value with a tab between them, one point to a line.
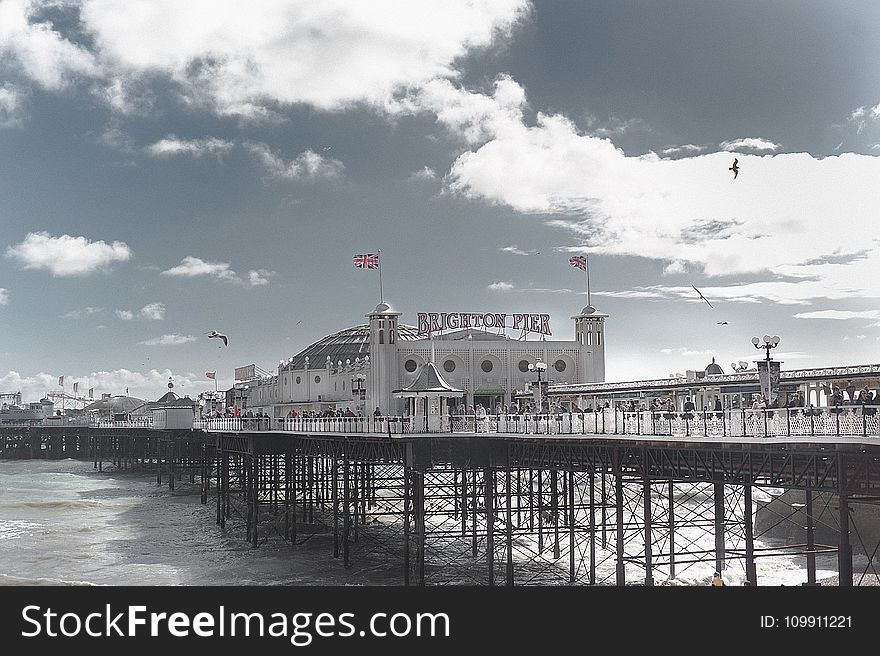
54	504
8	580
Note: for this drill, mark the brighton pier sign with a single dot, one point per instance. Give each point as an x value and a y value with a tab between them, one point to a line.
435	322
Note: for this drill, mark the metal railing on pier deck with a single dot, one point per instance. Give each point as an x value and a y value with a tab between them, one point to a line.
385	425
140	422
775	422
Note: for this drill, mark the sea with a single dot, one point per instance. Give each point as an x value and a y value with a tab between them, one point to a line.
64	523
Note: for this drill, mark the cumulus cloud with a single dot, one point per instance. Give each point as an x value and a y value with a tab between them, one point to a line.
84	312
515	250
173	339
38	50
308	165
147	385
775	221
11	106
425	173
153	311
750	143
233	59
862	116
191	267
171	146
684	351
501	286
66	255
684	150
259	277
840	315
125	315
4	296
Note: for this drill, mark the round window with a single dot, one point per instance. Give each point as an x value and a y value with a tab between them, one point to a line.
486	365
317	379
524	366
559	365
449	366
410	365
298	380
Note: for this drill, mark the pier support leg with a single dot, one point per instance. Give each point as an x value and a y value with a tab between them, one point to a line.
346	508
407	473
508	521
554	505
748	525
335	494
592	528
618	504
844	548
646	504
718	489
671	530
489	501
419	499
571	546
811	544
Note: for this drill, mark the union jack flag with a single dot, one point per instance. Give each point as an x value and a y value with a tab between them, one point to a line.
367	261
210	374
578	261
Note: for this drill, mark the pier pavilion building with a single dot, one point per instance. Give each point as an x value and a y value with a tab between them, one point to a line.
361	367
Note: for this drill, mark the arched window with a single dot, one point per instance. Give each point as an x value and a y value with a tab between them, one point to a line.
381	336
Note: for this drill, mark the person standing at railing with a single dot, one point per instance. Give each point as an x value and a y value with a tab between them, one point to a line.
377	413
719	412
689	408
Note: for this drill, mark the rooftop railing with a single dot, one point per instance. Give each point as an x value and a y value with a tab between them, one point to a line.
135	422
384	425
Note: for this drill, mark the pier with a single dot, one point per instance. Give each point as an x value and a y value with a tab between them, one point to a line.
475	507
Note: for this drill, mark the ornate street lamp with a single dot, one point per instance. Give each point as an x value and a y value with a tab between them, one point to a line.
538	367
769	343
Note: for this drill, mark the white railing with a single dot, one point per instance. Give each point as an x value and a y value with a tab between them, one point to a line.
386	425
781	422
136	422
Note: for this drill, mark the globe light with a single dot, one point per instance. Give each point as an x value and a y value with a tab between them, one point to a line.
775	341
755	341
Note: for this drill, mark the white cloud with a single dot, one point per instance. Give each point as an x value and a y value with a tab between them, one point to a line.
4	296
234	58
515	250
171	145
501	286
84	312
260	277
774	221
11	108
191	267
147	385
153	311
840	315
40	52
684	150
308	165
66	255
426	173
749	143
864	115
169	340
684	351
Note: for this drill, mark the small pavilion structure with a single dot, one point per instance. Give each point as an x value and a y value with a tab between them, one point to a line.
427	399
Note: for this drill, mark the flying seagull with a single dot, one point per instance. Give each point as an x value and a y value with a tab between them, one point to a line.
721	323
703	297
214	333
734	168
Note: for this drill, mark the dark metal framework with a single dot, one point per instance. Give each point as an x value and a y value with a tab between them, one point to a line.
507	509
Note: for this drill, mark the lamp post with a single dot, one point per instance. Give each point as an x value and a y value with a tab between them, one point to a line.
359	381
538	367
740	366
768	344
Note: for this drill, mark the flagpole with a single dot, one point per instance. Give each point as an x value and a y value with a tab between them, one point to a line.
379	258
589	300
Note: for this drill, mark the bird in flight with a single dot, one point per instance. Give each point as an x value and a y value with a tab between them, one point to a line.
214	333
703	297
721	323
734	168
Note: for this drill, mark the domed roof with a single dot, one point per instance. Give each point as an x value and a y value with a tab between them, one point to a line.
713	369
345	345
117	404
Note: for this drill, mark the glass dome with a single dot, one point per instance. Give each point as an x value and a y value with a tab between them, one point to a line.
345	345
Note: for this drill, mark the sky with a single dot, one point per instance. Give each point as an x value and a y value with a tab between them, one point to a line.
168	169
